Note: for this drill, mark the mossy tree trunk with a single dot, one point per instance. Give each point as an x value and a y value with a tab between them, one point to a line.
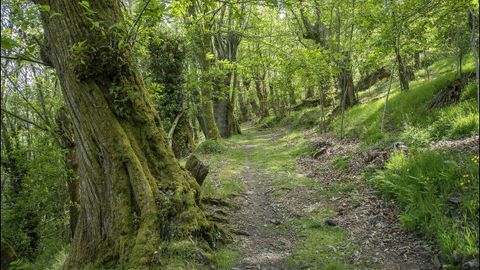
134	196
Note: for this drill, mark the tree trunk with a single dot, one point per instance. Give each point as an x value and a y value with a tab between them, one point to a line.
223	109
255	107
345	79
309	92
402	73
371	79
224	118
211	131
243	108
64	132
8	254
416	58
166	63
262	96
183	142
134	196
291	93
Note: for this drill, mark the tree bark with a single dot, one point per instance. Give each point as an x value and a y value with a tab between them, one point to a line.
262	95
255	107
8	254
345	79
402	72
134	196
291	93
241	101
64	131
371	79
183	142
310	92
416	58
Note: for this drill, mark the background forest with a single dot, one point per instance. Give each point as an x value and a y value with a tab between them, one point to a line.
397	77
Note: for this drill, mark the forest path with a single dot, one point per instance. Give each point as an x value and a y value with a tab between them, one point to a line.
258	216
294	212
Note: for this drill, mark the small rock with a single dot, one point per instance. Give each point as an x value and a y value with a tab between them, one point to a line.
275	221
319	152
400	146
380	224
331	222
454	197
471	265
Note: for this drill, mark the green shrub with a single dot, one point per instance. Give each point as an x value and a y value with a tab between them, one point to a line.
210	147
415	136
423	183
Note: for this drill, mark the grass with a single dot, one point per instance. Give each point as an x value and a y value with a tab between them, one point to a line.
322	246
407	110
226	259
210	147
422	184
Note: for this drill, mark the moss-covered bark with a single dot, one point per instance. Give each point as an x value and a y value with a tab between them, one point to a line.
134	195
183	142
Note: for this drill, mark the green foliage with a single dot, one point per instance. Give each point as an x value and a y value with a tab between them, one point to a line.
210	147
424	184
166	68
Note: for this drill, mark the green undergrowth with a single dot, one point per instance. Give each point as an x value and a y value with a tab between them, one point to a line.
439	192
320	246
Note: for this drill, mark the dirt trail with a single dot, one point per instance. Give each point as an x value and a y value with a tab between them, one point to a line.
273	217
263	248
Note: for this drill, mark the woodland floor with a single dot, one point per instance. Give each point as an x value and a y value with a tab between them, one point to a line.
292	211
